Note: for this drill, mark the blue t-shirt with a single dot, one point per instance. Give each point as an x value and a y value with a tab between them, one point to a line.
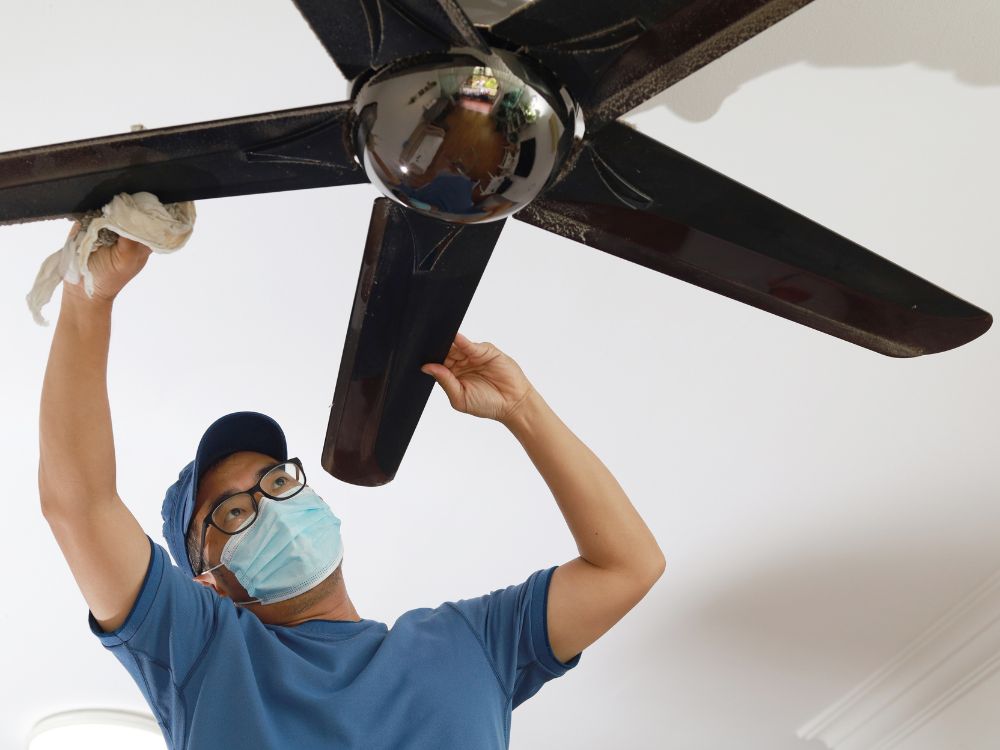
217	677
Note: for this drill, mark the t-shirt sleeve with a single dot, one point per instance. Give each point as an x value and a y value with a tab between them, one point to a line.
512	624
168	628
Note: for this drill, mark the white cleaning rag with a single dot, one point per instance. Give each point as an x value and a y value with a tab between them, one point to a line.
139	217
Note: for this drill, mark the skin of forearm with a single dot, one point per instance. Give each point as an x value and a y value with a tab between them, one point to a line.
608	530
76	445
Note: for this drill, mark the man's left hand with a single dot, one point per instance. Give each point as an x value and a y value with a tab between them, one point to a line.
481	380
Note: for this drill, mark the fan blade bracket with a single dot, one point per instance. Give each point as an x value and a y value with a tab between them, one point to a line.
617	36
323	145
618	186
429	263
363	35
467	34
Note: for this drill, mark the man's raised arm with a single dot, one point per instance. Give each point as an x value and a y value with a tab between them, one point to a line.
619	558
105	546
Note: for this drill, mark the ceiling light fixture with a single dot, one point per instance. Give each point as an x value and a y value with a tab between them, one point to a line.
96	729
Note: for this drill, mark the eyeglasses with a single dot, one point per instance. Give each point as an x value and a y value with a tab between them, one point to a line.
236	513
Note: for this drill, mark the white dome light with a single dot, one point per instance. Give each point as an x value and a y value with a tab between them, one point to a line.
97	729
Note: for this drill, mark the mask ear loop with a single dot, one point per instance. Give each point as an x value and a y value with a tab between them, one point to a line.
197	578
238	604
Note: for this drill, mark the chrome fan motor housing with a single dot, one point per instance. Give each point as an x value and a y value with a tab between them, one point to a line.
464	136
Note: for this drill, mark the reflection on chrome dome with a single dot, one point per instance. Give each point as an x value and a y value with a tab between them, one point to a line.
463	137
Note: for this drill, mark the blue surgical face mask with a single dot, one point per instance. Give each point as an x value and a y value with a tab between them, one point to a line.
292	546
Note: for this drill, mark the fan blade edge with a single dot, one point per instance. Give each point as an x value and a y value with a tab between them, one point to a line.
638	199
615	56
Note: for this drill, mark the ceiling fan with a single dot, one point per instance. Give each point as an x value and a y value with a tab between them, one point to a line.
462	126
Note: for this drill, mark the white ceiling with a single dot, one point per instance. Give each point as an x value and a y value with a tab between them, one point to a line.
819	505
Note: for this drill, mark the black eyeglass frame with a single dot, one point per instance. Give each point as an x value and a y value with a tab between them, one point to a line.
256	509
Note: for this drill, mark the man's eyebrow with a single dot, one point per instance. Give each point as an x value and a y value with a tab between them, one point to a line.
233	490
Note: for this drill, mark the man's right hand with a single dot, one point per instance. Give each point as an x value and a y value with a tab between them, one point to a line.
112	266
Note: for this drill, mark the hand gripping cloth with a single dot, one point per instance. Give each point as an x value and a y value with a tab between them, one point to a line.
138	216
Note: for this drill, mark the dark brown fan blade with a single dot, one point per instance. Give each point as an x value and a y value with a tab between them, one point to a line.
364	34
290	149
417	279
635	198
613	56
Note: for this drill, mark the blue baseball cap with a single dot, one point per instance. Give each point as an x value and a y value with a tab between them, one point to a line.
239	431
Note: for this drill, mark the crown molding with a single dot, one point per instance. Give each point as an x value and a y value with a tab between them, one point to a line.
945	662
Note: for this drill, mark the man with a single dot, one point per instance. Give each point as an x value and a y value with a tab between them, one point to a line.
268	651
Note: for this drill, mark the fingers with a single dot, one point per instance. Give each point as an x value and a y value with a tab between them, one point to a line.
448	382
465	345
454	356
126	244
471	348
463	351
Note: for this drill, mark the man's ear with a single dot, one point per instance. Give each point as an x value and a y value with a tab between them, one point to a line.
207	579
